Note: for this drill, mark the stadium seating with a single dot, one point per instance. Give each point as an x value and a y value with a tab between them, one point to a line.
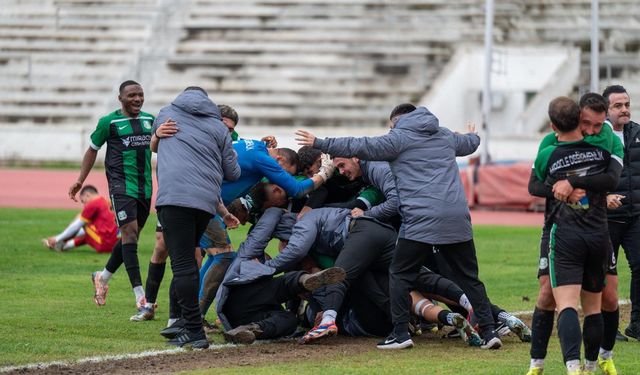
60	59
279	62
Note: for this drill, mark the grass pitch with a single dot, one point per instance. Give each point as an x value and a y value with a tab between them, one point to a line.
47	312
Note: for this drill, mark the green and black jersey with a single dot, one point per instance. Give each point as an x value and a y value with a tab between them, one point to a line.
588	157
128	158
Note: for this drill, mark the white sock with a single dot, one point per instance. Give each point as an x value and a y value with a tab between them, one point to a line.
573	365
105	276
139	292
535	362
148	305
328	316
606	354
69	245
464	302
590	365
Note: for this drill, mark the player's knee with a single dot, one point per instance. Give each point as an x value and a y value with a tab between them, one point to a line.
129	232
545	296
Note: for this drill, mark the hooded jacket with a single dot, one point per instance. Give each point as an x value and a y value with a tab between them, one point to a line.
193	162
422	157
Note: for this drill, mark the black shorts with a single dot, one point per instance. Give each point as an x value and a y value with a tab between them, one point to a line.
128	209
543	264
578	258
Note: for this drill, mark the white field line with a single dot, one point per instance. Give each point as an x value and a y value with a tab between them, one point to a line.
155	353
104	358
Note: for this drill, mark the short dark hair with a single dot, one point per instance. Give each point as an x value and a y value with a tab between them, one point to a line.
290	156
197	88
236	208
228	112
307	155
402	109
88	189
613	89
127	83
595	102
258	194
564	113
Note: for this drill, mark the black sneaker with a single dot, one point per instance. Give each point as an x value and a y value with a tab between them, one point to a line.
392	342
633	330
197	340
491	341
245	334
174	330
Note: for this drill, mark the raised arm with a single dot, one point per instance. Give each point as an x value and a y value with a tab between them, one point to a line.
384	148
276	175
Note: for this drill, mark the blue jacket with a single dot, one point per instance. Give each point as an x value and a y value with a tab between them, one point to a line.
422	157
193	163
255	164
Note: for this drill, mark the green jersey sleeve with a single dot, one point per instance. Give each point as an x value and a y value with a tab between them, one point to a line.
101	134
548	140
371	196
606	140
540	166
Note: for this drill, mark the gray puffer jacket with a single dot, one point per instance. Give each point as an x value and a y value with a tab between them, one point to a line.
193	163
422	157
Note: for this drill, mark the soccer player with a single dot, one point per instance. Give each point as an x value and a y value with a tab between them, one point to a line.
95	226
422	156
127	133
579	241
593	109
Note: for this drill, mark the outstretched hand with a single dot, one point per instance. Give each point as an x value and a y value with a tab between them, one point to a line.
305	138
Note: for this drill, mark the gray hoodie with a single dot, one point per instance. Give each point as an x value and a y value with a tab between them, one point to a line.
422	157
193	163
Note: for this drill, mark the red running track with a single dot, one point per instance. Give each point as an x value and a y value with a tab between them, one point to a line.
35	188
